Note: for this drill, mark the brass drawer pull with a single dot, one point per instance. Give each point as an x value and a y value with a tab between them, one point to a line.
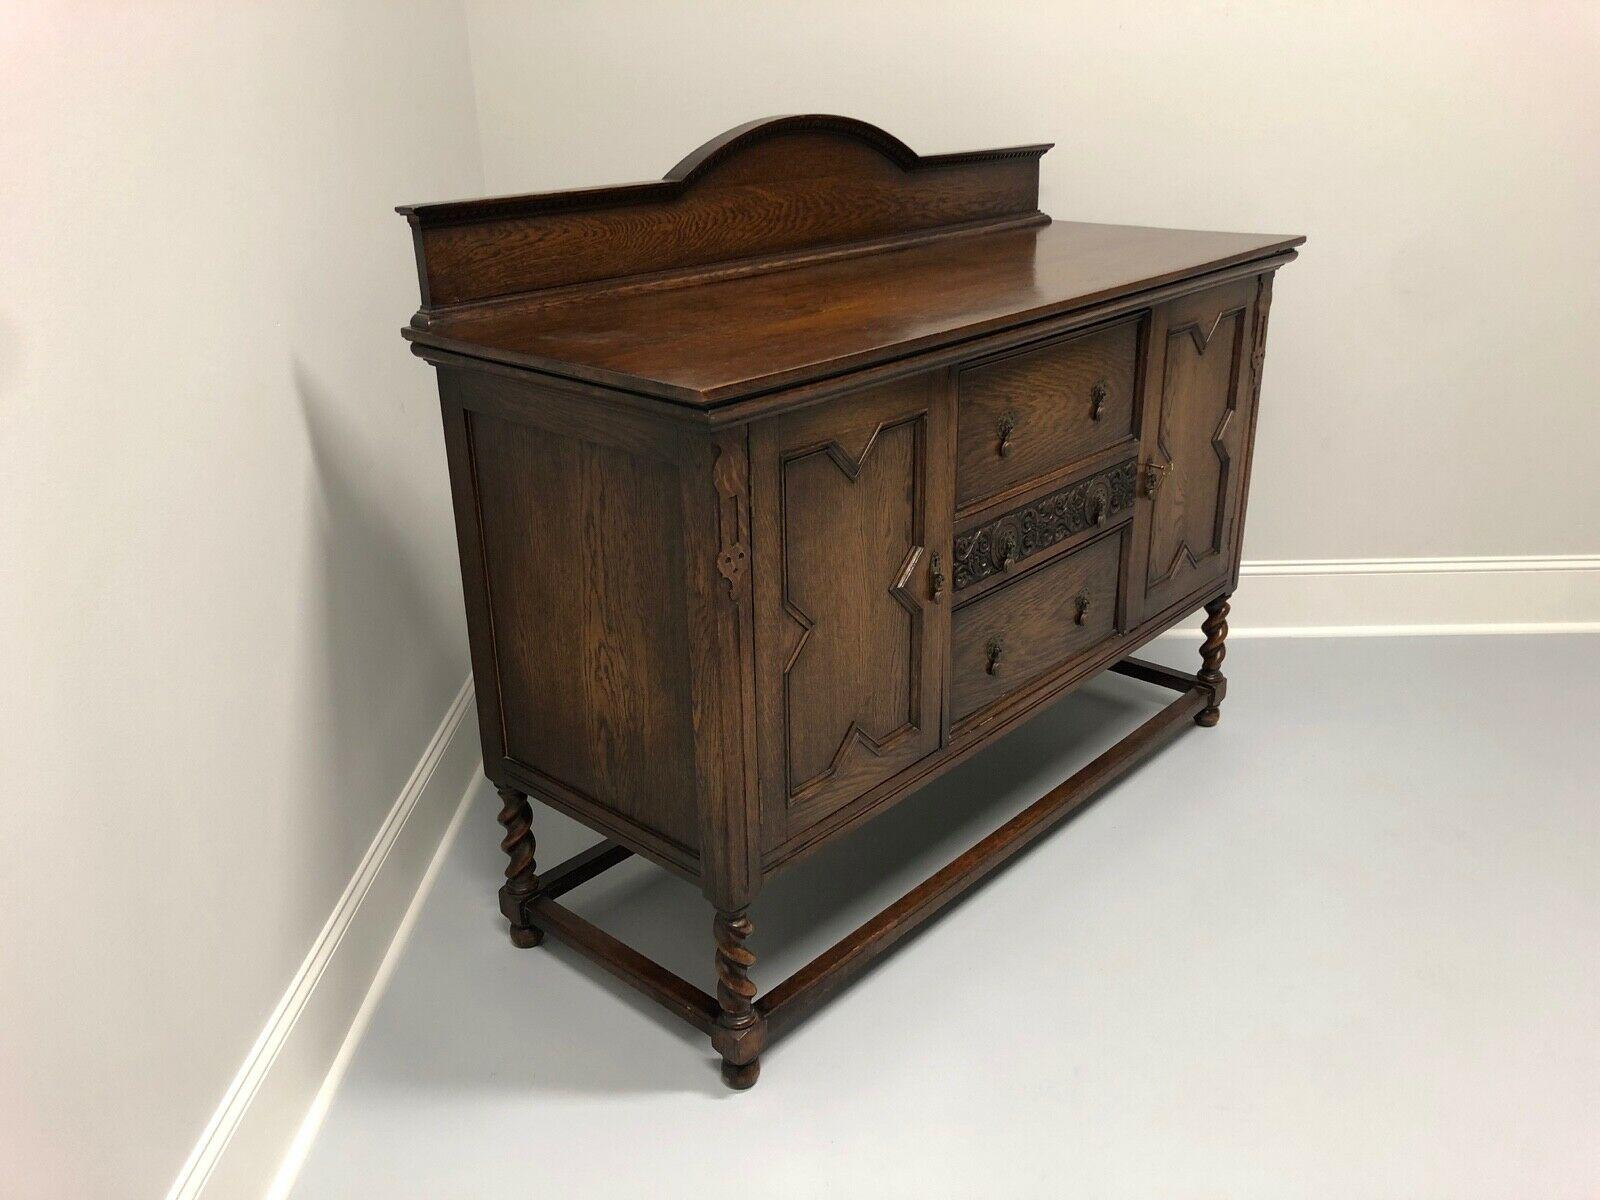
935	577
1004	428
992	649
1008	549
1097	399
1081	610
1099	510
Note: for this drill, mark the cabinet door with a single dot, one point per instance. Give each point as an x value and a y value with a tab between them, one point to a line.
851	504
1199	418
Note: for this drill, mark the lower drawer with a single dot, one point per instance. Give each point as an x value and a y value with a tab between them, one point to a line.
1012	636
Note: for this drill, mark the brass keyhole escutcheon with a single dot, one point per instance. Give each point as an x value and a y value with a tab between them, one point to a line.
1154	473
935	577
1080	610
992	650
1097	399
1004	428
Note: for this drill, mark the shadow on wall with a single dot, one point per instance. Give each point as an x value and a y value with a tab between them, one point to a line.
381	662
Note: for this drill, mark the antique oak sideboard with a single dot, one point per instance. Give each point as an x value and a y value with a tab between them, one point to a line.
785	483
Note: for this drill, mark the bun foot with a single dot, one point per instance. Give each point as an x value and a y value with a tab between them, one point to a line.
526	937
1207	717
741	1077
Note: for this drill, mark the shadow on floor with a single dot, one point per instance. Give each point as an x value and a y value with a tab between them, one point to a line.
798	914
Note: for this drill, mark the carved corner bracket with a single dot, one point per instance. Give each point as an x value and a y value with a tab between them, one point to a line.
729	472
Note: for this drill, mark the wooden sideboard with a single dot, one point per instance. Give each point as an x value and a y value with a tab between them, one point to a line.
785	483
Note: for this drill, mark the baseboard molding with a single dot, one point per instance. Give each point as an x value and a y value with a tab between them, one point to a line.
264	1109
265	1124
1406	596
294	1159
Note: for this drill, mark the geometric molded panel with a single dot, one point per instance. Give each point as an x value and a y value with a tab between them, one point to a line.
851	541
851	504
1197	436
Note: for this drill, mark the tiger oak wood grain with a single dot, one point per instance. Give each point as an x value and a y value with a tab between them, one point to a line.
1037	410
708	344
713	443
1200	416
850	502
1039	622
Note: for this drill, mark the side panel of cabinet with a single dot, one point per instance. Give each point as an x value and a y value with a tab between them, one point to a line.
1198	425
571	528
851	507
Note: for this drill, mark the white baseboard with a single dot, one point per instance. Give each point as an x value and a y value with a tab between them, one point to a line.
261	1132
1412	596
294	1159
266	1105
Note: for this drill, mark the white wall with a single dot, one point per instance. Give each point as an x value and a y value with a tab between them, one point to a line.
229	610
230	613
1431	388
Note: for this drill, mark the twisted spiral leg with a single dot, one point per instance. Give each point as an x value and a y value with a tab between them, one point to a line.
1212	652
522	879
739	1026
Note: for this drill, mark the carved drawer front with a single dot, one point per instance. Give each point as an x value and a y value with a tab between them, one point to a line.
1004	543
1013	636
1031	412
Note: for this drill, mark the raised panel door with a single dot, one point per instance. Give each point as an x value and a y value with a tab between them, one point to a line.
851	506
1195	441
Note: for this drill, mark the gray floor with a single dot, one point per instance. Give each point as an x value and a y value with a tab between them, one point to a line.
1346	944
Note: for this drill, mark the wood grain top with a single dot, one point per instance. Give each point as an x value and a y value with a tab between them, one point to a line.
708	342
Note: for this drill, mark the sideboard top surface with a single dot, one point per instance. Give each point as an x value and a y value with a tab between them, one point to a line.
784	252
707	343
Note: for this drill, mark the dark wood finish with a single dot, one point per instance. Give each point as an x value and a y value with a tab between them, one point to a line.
1010	637
786	484
1258	354
591	650
1149	672
581	868
1038	410
997	546
672	992
783	185
522	878
1212	652
753	333
1195	441
740	1029
851	504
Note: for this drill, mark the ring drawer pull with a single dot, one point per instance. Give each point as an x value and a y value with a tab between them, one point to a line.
1004	428
1080	610
992	650
1008	549
935	577
1099	510
1097	399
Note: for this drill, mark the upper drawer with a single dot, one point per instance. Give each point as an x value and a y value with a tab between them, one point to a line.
1034	411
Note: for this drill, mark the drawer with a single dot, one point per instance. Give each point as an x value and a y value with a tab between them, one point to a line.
1029	413
1009	637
